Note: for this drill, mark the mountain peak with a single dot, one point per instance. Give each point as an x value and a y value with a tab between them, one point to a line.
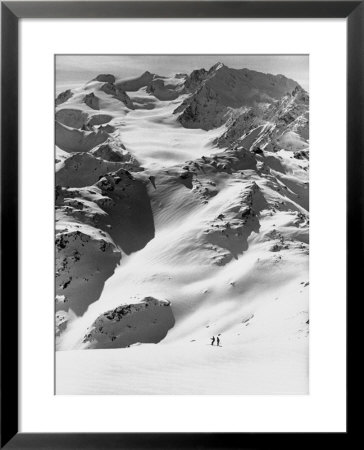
106	78
217	66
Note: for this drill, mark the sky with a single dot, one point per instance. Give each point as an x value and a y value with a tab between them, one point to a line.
71	70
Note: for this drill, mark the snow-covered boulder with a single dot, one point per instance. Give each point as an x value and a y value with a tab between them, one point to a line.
147	321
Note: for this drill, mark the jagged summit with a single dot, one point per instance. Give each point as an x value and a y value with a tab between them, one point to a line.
219	91
283	124
136	83
217	66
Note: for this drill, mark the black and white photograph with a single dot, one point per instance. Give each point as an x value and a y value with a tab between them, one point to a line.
181	224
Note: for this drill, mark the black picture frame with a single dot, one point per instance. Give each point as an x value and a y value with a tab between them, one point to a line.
11	13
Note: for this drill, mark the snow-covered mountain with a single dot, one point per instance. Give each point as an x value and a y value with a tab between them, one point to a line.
182	212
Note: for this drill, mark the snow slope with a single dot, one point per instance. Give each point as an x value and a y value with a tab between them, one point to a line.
175	226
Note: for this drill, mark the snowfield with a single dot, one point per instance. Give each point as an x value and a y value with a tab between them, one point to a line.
182	213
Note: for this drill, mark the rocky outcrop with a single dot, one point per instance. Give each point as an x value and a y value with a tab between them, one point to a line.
105	78
108	152
227	235
119	94
118	204
114	152
239	126
195	79
85	258
86	254
61	317
92	101
99	119
74	140
234	159
147	321
301	154
282	124
161	90
63	97
203	110
84	169
134	84
76	118
130	218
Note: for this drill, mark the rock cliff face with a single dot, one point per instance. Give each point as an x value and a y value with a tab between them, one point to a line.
227	234
85	256
119	94
93	225
195	79
92	101
220	90
134	84
84	169
282	124
130	217
163	88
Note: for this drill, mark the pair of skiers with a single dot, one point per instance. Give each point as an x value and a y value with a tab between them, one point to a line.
217	340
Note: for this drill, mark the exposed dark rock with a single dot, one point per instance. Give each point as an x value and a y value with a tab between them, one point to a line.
106	78
92	101
117	93
63	97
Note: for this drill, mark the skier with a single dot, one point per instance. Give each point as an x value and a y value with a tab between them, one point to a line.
212	340
218	340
